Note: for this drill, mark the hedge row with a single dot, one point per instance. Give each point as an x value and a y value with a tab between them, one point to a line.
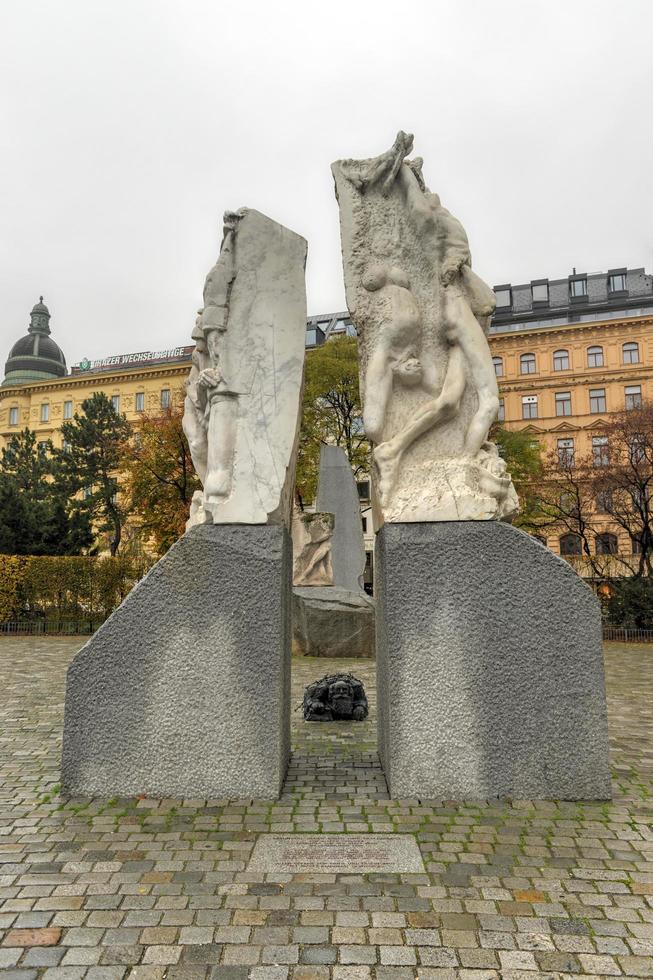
64	588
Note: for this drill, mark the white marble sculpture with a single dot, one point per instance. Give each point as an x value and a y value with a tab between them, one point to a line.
311	540
427	380
243	398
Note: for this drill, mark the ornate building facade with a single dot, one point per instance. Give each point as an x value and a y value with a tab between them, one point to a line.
567	354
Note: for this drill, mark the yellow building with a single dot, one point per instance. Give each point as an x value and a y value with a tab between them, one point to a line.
567	353
37	393
569	359
42	406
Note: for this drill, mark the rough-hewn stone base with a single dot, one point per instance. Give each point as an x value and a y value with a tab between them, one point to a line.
185	690
332	622
490	668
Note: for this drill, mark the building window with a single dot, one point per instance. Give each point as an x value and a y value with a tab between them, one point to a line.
631	353
606	544
577	287
314	336
364	523
67	410
617	282
65	445
140	401
13	416
568	504
363	489
563	403
570	544
597	400
561	360
45	412
604	501
501	416
503	297
43	445
633	397
527	364
600	451
115	403
498	366
165	398
566	452
636	544
637	450
595	357
529	407
540	292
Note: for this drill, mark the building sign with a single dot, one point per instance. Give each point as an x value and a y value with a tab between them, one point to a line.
141	359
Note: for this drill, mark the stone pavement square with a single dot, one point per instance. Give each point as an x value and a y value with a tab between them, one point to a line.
141	888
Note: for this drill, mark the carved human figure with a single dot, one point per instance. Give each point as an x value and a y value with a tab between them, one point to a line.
467	305
468	302
396	356
220	401
495	480
193	422
242	397
337	697
312	538
397	351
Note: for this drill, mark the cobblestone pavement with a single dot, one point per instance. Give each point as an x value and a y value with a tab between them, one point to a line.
142	888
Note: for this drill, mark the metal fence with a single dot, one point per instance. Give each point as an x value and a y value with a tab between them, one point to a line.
50	627
621	634
84	627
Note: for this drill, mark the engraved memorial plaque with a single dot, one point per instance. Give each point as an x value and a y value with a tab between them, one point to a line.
336	853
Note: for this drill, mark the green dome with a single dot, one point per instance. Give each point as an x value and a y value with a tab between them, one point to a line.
35	357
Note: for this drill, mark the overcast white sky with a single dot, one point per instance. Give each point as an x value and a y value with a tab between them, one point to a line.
128	126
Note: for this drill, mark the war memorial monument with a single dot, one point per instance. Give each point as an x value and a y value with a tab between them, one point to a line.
490	672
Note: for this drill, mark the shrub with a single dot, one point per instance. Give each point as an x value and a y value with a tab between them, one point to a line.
65	587
631	603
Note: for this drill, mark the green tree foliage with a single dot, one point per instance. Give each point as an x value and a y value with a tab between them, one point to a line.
36	516
631	603
88	466
331	412
523	456
159	477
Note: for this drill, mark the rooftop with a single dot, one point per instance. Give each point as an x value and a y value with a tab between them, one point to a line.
580	297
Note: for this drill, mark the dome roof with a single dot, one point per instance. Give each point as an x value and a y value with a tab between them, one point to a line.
40	307
35	345
35	357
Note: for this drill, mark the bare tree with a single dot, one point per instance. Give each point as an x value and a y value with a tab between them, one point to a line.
567	504
623	486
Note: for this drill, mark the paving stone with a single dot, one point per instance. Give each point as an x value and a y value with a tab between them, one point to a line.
41	956
146	973
32	937
565	888
9	957
318	955
311	973
82	956
397	955
206	953
162	954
